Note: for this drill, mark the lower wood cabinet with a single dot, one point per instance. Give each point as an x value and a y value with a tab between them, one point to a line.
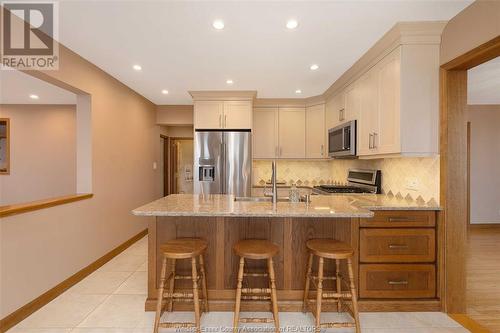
397	245
397	281
397	255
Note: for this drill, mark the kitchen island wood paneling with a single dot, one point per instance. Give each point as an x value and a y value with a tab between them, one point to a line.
222	221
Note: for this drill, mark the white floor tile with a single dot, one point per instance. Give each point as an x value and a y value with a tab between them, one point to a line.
435	319
39	330
144	267
136	284
66	311
100	282
139	248
117	311
124	263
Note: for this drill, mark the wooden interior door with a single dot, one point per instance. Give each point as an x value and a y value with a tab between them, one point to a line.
166	165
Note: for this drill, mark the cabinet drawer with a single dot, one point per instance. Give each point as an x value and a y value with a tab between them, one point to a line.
397	245
399	218
397	281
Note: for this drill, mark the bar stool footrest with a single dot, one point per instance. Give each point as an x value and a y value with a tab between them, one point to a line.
345	295
255	298
178	295
255	290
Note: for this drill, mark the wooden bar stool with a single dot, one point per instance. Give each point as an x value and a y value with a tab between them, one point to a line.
331	249
256	250
173	250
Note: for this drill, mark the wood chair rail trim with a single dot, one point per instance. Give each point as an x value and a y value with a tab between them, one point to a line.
15	209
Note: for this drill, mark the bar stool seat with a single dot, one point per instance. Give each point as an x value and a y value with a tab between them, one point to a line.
256	249
184	248
330	248
173	250
338	251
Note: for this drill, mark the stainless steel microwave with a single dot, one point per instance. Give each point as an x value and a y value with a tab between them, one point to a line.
342	140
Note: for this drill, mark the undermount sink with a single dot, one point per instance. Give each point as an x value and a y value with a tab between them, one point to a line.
259	199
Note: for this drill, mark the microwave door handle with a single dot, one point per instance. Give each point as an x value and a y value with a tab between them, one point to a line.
343	138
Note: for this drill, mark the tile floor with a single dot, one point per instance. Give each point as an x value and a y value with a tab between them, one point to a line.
111	300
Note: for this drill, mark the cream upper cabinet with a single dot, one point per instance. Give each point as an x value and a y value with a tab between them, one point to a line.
292	132
223	109
336	112
315	132
208	114
237	115
265	133
368	114
387	136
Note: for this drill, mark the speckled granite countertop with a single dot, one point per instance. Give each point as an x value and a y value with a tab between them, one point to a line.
320	206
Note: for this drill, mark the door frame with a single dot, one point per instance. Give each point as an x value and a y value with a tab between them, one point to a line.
173	161
453	167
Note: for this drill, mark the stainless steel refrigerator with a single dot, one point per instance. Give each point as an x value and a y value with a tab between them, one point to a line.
223	162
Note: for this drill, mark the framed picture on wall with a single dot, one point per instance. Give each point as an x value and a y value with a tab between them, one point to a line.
4	146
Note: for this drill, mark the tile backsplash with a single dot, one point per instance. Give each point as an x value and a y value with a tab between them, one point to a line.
408	177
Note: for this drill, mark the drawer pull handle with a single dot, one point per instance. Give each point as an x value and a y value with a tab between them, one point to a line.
400	219
398	246
394	283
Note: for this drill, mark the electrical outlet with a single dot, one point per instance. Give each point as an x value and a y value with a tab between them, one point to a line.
412	184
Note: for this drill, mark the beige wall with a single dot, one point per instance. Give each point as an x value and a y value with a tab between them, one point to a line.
475	25
176	115
42	152
485	163
55	243
180	131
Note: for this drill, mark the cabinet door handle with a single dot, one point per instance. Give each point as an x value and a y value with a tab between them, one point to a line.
398	246
400	219
225	120
281	151
370	141
375	134
397	282
322	150
220	120
276	151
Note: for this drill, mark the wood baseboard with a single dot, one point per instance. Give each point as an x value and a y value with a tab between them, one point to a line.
23	312
468	323
484	225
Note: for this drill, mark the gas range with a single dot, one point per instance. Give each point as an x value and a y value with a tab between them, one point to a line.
359	181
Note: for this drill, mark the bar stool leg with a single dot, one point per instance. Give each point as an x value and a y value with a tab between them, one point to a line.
274	299
353	295
319	294
306	288
339	283
195	294
171	286
238	295
204	283
159	301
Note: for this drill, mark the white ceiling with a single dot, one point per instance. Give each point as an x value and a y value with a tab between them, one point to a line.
483	83
16	88
179	50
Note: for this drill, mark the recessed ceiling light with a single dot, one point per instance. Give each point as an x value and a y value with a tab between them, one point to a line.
164	92
33	96
314	67
137	67
298	91
292	24
218	24
229	81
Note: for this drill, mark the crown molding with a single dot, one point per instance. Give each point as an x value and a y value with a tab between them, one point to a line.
402	33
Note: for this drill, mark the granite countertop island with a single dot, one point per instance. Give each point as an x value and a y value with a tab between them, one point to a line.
320	206
222	221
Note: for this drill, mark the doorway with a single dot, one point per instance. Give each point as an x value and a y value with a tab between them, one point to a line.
177	165
483	194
